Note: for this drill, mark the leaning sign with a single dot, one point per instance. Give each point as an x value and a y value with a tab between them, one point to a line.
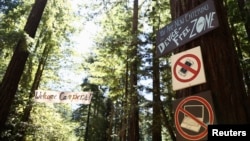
63	97
187	27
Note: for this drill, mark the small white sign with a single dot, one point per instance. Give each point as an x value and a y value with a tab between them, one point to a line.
187	69
189	123
63	97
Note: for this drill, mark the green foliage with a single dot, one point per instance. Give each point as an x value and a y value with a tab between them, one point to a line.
54	30
111	55
11	29
51	124
93	118
239	19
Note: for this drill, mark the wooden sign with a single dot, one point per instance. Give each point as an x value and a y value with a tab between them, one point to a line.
187	27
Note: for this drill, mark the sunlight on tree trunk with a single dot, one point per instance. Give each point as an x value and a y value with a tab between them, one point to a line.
133	133
15	69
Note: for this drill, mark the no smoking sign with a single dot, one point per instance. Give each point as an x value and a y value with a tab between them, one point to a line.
187	69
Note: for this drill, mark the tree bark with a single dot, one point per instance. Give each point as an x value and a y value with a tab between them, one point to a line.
133	133
86	135
166	123
36	82
156	130
223	74
157	121
16	66
124	123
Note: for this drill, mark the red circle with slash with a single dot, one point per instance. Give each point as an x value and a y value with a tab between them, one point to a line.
195	72
180	109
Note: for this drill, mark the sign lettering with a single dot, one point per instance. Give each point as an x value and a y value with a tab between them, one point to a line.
63	97
187	27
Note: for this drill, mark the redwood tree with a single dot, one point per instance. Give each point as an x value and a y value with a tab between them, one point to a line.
223	74
133	132
16	66
156	127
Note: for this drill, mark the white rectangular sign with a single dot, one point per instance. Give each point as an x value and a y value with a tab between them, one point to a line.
187	69
63	97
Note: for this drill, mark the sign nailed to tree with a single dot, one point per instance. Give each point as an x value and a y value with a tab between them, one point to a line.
187	69
187	27
63	97
192	116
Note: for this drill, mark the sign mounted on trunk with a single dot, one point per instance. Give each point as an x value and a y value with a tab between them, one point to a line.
192	116
187	27
187	69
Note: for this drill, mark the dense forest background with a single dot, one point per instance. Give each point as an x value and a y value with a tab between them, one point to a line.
132	88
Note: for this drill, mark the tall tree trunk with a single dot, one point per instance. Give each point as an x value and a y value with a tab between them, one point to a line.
36	82
157	121
15	68
167	124
223	74
133	133
110	116
124	123
156	131
86	135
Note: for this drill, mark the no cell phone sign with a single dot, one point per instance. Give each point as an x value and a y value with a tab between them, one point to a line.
187	69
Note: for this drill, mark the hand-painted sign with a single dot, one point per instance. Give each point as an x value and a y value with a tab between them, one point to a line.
187	69
187	27
63	97
193	115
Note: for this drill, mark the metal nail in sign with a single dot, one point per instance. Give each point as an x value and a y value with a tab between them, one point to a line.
187	27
